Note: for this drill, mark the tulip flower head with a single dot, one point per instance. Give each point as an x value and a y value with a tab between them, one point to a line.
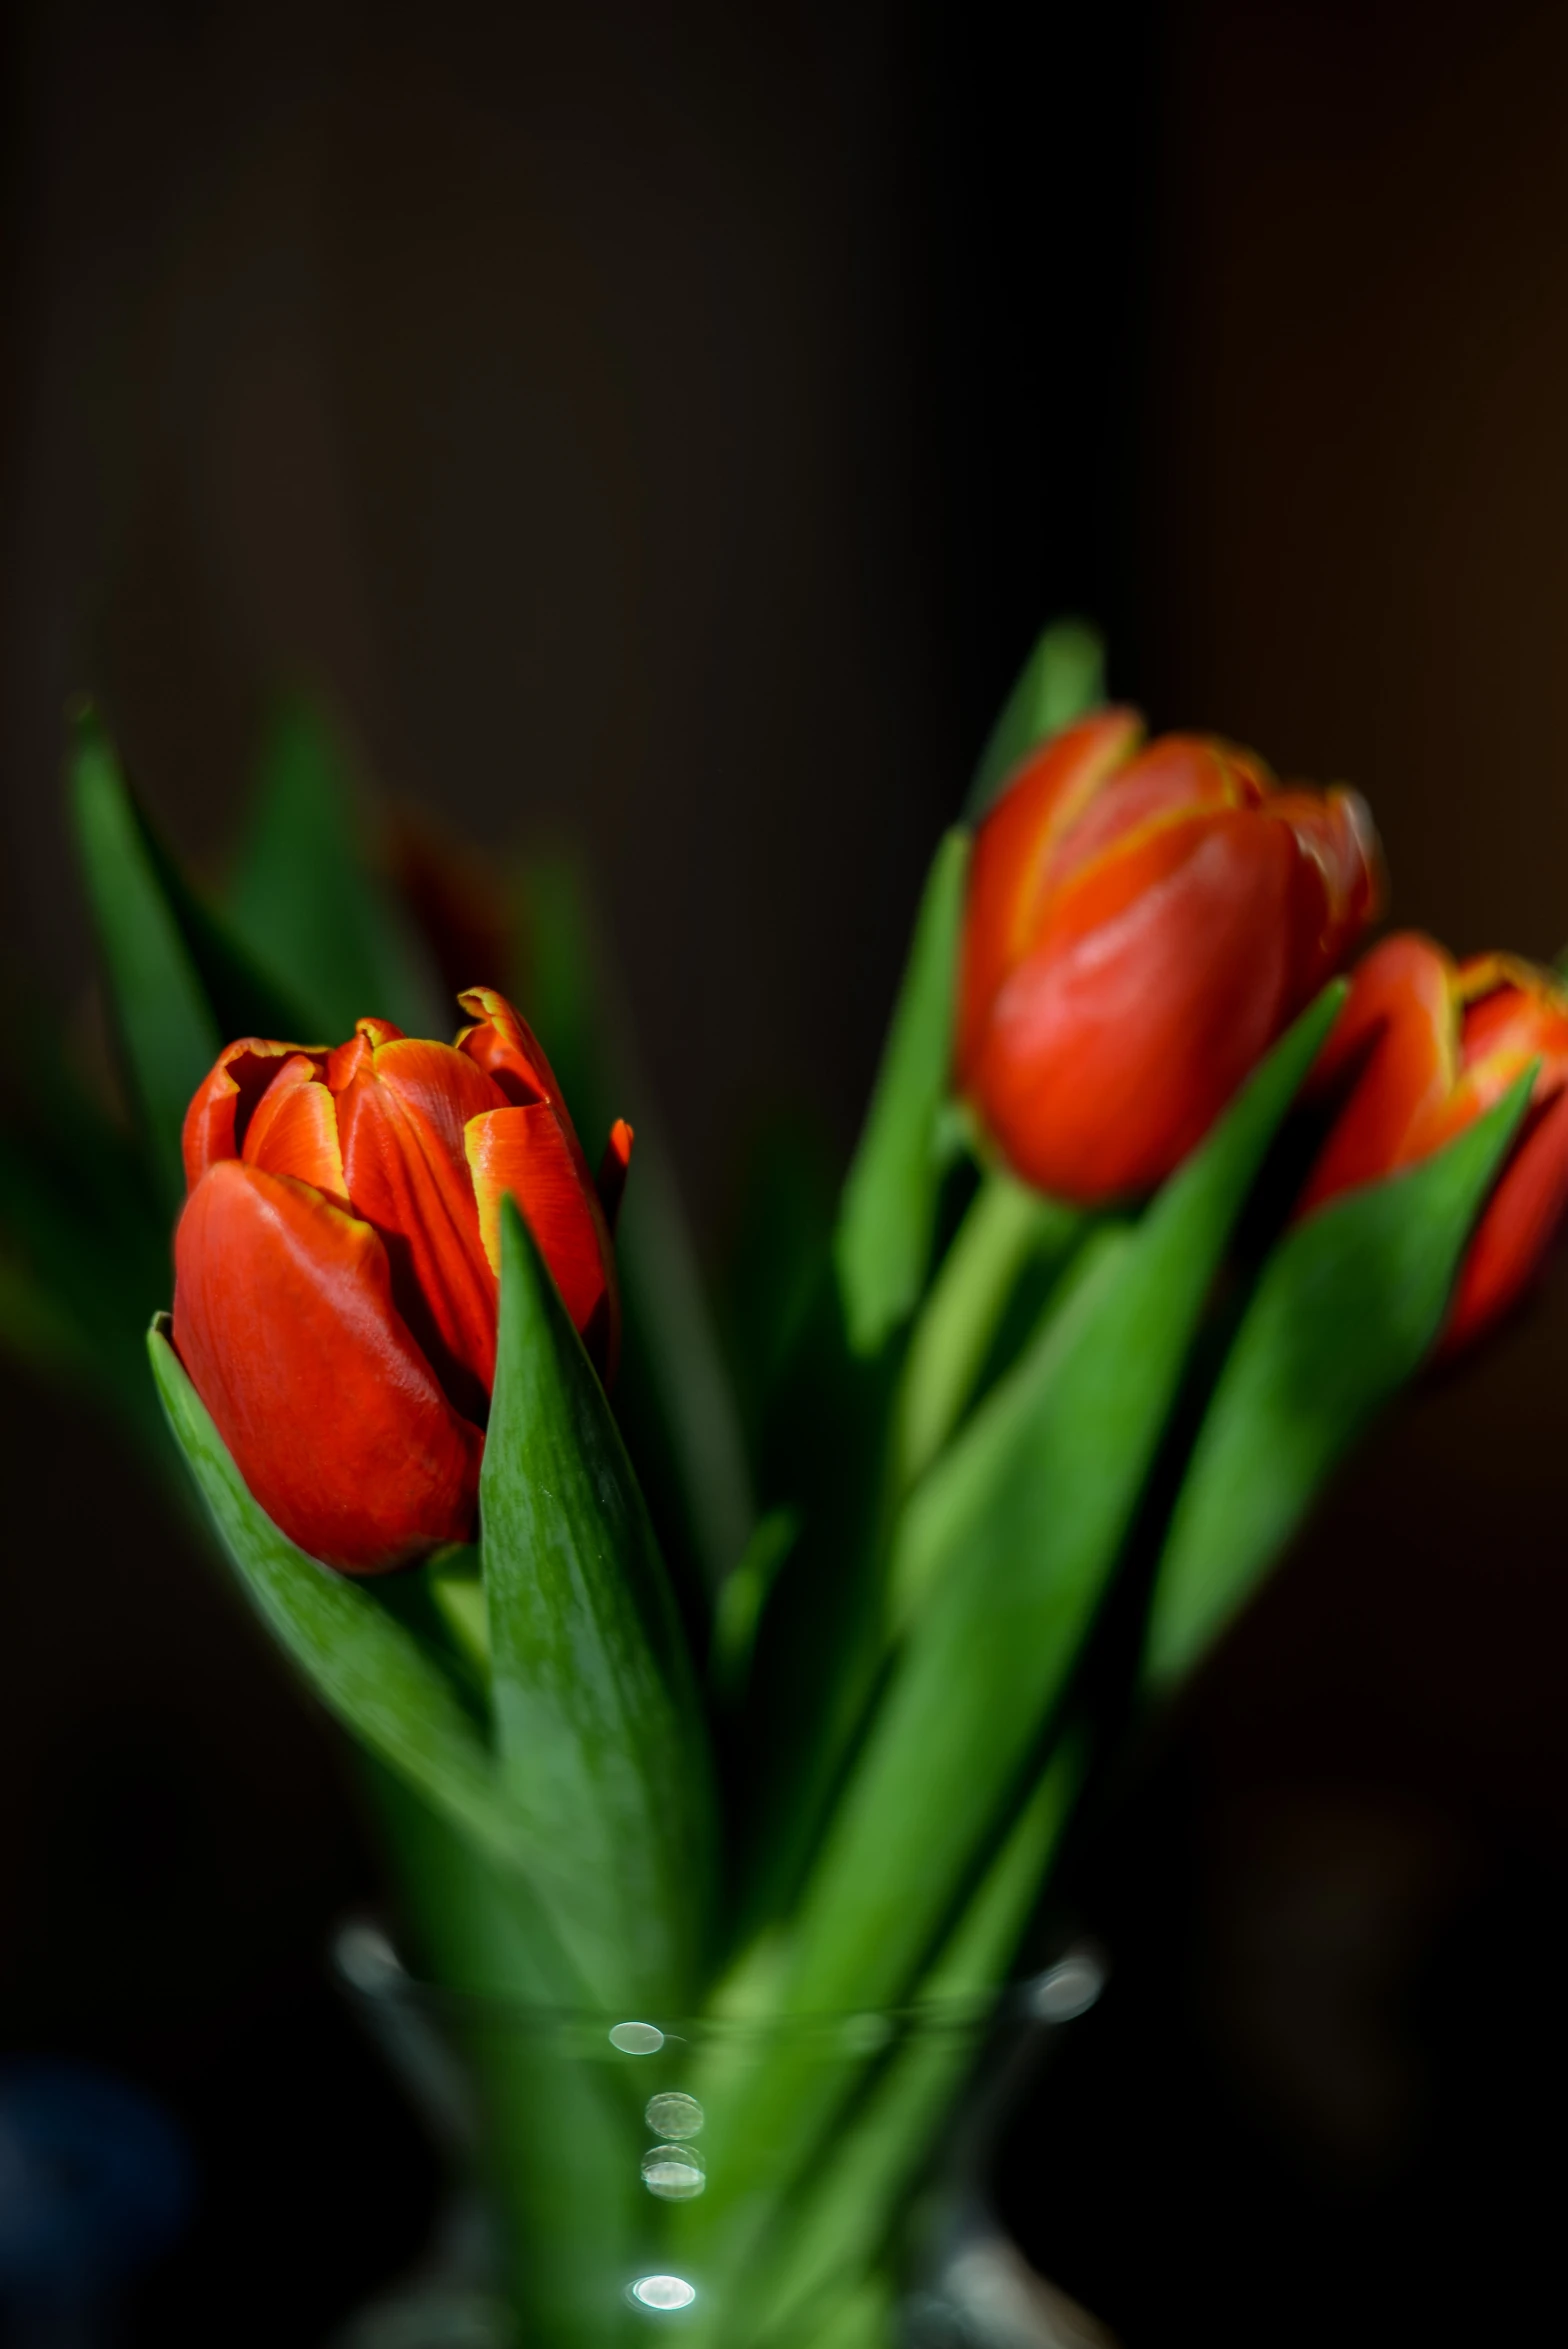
1425	1046
1141	925
337	1263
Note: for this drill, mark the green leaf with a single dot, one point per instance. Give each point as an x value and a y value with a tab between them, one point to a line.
673	1397
1348	1308
306	901
889	1212
455	1583
821	1641
246	998
368	1669
600	1736
841	2214
1063	679
741	1601
87	1261
559	2130
180	984
165	1023
781	1246
1033	1524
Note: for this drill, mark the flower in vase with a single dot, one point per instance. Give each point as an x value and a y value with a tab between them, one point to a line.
336	1267
1423	1047
1141	925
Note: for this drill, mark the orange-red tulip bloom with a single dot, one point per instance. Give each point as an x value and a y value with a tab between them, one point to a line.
1423	1047
336	1267
1141	925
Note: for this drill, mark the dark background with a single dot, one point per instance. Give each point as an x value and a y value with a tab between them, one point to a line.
665	427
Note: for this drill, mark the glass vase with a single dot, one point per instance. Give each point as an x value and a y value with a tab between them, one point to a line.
782	2183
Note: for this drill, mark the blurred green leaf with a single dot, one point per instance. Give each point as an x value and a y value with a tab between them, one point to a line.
601	1737
888	1221
306	901
822	1637
89	1262
160	1008
455	1583
782	1245
742	1599
673	1396
1063	679
1034	1504
370	1671
553	2124
246	998
179	983
86	1243
1348	1308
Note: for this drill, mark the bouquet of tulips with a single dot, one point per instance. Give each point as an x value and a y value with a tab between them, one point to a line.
726	1707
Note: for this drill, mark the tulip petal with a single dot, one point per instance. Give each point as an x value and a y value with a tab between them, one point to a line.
1178	777
1010	853
1397	1045
347	1061
401	1117
1112	1048
221	1109
285	1321
1335	829
294	1130
524	1154
505	1046
1514	1235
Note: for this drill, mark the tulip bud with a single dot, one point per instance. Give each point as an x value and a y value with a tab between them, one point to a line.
1425	1046
1139	930
337	1262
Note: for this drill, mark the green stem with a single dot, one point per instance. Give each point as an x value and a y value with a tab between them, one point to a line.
1007	1228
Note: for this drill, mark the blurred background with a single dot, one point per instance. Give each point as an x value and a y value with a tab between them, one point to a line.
663	428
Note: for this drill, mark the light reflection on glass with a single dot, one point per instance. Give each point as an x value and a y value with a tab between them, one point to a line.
637	2038
1067	1989
676	2173
674	2115
664	2292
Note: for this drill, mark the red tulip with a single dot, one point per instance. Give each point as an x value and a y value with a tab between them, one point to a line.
1141	925
336	1267
1423	1047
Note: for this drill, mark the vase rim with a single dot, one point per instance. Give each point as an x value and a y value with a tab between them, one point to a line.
367	1962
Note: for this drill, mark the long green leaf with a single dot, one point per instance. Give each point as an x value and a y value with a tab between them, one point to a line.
674	1398
1035	1528
1063	678
559	2131
1036	1525
842	2212
165	1023
1346	1312
369	1671
246	998
890	1199
600	1738
306	901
